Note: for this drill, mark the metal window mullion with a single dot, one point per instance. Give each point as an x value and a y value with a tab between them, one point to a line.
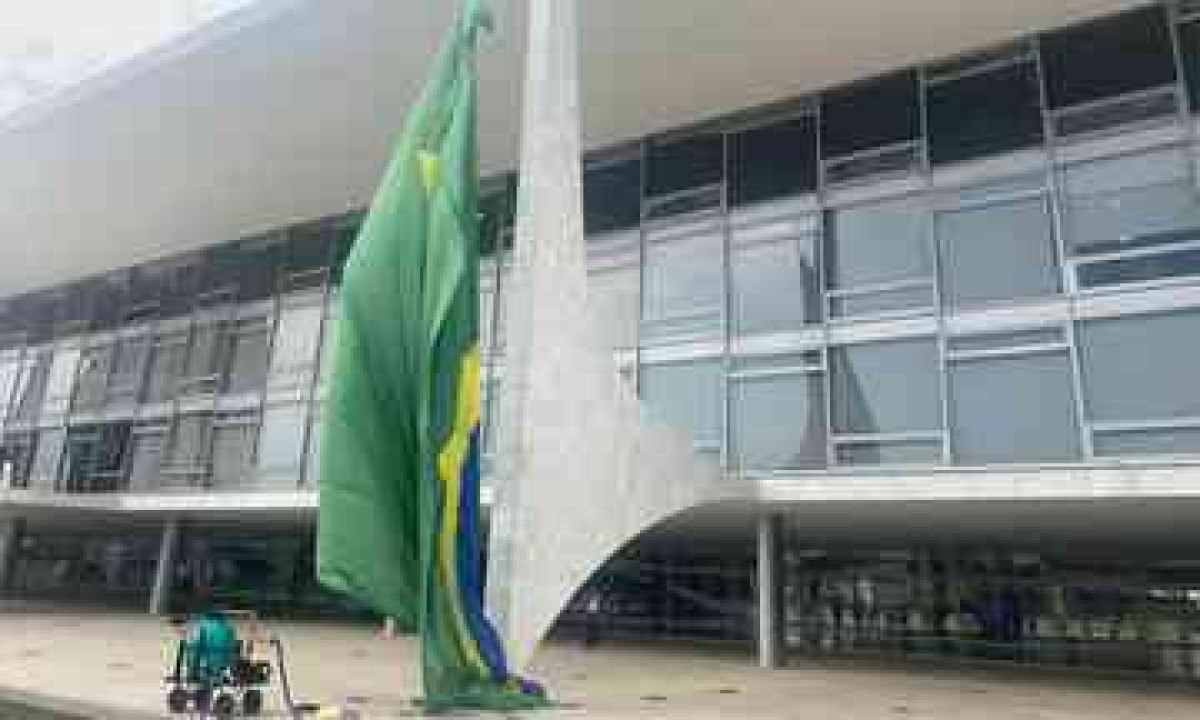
315	379
1135	253
1006	352
726	309
881	288
822	237
935	261
999	199
1147	425
1173	24
642	239
889	438
1054	199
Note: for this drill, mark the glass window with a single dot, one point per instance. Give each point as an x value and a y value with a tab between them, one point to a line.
773	161
95	456
145	458
16	460
1003	251
203	358
166	366
612	196
1139	269
94	366
248	364
1017	408
297	337
31	385
1131	201
776	280
686	396
677	165
1141	367
61	381
281	445
778	421
10	375
1111	56
187	460
880	244
1151	441
1189	45
128	369
878	112
683	286
905	452
47	460
233	454
984	113
889	387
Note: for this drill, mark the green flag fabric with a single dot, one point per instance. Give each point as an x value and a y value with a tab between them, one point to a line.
399	501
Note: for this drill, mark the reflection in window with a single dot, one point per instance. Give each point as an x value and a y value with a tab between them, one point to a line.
200	373
47	460
889	452
167	359
233	453
249	343
186	464
676	165
773	161
60	381
612	196
891	387
1139	374
1111	56
130	355
683	281
95	458
877	257
996	252
1132	201
871	114
686	396
297	337
146	449
778	418
94	367
280	445
1017	408
987	112
31	385
10	375
16	459
776	284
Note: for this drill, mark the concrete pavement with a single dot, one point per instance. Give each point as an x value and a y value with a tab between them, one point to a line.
105	665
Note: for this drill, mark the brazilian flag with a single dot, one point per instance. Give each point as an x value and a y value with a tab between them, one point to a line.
399	522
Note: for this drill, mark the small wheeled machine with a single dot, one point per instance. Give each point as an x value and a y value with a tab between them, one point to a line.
220	667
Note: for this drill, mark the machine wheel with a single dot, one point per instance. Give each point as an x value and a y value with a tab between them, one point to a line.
177	700
224	706
202	699
252	702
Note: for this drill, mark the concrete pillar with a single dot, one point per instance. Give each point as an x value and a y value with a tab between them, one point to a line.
770	592
11	530
160	592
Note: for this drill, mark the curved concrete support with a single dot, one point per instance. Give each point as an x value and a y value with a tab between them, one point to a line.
579	471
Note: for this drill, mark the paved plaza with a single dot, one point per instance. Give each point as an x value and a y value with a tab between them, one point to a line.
105	665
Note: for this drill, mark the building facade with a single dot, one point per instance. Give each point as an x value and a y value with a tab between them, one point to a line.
941	324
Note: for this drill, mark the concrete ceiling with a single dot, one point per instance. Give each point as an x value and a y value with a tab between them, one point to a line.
286	111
